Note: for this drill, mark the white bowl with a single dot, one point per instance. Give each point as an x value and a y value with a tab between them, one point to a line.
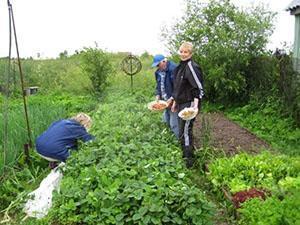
163	104
188	113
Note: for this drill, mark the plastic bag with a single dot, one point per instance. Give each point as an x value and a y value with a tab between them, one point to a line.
41	199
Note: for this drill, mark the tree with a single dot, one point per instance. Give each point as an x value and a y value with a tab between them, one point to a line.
63	54
98	67
225	39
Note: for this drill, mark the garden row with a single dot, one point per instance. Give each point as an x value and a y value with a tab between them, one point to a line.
131	174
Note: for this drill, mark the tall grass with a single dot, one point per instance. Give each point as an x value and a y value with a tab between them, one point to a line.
40	116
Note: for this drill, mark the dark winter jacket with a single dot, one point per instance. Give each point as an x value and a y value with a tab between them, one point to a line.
188	82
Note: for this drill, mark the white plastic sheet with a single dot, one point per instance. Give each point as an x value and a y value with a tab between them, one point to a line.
41	199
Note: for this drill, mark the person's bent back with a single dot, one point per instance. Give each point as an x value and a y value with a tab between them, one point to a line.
62	136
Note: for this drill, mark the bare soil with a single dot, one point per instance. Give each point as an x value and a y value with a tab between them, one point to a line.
220	132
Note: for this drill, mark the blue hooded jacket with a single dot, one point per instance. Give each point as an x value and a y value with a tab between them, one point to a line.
168	81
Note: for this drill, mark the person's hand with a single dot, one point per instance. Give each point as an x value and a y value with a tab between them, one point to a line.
196	110
157	98
174	108
170	102
195	105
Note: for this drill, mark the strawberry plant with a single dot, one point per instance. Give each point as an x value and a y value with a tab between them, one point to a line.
131	174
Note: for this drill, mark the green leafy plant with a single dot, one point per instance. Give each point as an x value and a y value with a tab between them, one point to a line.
131	173
265	121
97	65
272	211
244	171
42	111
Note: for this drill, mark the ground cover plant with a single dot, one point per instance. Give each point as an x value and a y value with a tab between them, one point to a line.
131	175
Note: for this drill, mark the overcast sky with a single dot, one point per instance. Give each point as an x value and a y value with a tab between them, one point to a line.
49	27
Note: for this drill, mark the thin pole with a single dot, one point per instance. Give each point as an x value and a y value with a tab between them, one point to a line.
29	144
131	73
5	105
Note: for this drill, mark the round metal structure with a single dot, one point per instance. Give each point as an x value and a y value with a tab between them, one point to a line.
131	65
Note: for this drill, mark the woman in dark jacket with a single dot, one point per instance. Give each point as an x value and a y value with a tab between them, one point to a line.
188	92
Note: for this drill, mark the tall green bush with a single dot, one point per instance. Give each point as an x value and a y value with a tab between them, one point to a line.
271	79
262	77
289	87
225	39
97	65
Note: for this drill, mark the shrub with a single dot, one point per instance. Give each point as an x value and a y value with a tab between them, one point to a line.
98	67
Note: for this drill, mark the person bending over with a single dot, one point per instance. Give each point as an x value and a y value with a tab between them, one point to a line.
62	136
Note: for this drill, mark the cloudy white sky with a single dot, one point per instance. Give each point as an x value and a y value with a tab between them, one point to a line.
49	27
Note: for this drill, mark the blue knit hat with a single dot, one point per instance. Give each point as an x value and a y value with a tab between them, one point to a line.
157	59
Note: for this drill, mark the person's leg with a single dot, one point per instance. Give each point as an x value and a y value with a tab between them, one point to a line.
189	146
186	138
174	123
53	163
181	124
166	116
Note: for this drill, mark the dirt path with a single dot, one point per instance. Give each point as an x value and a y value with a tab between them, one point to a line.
216	130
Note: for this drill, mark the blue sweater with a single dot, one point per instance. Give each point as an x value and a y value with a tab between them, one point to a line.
60	137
